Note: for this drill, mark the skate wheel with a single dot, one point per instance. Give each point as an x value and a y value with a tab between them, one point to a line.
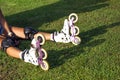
74	17
77	40
41	38
44	53
76	30
44	65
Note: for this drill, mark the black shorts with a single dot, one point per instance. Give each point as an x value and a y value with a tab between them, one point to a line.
1	29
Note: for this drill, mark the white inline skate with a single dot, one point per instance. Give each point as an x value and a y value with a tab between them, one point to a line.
71	30
41	53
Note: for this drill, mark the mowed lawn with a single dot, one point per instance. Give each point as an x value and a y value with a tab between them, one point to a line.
96	58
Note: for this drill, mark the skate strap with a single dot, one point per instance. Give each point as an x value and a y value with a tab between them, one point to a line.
23	53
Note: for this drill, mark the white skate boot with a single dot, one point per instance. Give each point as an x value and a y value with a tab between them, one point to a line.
60	37
63	35
30	57
69	32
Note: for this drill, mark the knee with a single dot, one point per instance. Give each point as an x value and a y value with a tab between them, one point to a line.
29	32
6	43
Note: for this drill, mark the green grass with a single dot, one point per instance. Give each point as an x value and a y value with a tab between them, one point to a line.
96	58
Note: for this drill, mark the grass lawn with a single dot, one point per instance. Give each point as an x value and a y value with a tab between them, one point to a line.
96	58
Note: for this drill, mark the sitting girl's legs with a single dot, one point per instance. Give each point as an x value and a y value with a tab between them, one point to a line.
28	33
7	44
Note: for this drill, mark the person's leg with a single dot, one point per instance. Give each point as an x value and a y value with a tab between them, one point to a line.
13	52
55	36
20	32
7	45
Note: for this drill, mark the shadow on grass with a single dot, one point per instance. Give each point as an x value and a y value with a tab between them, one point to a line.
38	16
57	58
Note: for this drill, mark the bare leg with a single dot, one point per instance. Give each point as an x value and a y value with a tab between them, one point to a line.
20	33
56	36
13	52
